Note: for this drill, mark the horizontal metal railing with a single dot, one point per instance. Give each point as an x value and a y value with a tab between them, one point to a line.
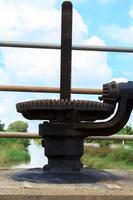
41	89
19	135
36	136
36	45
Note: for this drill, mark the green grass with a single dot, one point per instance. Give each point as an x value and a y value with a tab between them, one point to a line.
107	158
13	152
24	142
38	141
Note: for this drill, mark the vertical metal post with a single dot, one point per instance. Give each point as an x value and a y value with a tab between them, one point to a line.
66	51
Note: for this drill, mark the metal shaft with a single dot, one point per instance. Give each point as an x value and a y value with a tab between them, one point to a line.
36	45
66	51
14	88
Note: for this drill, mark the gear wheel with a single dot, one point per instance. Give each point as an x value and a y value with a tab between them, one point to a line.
65	110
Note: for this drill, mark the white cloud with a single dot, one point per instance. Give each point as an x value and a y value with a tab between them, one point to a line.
91	68
107	1
100	1
3	77
120	79
24	19
130	12
37	3
27	21
32	66
121	34
80	29
7	108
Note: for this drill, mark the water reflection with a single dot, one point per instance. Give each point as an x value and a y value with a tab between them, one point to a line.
37	157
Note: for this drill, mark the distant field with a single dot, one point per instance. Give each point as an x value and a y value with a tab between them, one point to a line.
13	151
106	158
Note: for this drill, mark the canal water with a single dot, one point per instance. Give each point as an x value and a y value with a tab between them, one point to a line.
37	157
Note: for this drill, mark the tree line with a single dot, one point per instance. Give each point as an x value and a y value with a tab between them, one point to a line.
16	126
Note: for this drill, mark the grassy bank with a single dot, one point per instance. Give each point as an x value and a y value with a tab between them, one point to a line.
107	158
13	151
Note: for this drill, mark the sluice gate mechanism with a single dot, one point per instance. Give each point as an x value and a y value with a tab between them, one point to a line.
68	122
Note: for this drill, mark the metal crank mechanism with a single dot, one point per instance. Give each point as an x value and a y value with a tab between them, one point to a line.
67	122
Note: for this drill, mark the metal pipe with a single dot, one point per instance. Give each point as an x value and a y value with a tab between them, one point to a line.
119	49
19	135
36	136
114	137
14	88
36	45
29	45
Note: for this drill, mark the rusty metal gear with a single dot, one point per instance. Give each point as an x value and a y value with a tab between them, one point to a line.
65	110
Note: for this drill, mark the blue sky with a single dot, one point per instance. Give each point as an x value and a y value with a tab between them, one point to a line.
96	22
106	17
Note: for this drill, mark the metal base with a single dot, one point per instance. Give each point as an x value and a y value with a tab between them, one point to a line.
38	175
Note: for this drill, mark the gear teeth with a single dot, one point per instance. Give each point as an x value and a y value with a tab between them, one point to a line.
64	104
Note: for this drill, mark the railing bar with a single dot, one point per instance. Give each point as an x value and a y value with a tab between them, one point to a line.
120	49
114	137
32	135
103	48
29	45
19	135
41	89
